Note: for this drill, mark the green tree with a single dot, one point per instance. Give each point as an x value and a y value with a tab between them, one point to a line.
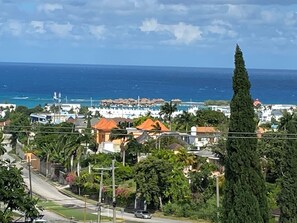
245	193
120	133
84	110
202	182
2	149
13	195
19	125
167	110
288	194
184	121
141	119
134	149
210	118
271	149
158	177
284	120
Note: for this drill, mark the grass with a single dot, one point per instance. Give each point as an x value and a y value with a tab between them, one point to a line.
75	213
161	215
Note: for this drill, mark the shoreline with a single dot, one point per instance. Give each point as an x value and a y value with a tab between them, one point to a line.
33	102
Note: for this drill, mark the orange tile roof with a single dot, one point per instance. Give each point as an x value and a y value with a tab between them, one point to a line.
205	129
149	125
257	102
104	124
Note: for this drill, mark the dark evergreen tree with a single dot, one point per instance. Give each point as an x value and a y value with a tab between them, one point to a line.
245	194
288	194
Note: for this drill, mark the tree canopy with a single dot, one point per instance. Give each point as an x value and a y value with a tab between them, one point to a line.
288	194
13	194
245	194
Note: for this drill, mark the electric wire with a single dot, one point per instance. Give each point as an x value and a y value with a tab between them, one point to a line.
219	134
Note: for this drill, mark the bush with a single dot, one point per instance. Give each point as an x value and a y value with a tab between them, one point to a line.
207	211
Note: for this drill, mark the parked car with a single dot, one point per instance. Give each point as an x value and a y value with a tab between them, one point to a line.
142	214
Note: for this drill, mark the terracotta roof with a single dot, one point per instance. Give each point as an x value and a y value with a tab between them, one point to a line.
257	102
148	125
5	123
104	124
205	129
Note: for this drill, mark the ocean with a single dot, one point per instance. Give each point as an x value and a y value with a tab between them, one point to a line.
34	84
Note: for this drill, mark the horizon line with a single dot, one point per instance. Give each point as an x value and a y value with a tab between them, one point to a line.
129	65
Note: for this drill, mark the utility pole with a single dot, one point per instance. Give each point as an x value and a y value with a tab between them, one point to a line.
100	198
29	160
100	192
113	193
30	178
218	195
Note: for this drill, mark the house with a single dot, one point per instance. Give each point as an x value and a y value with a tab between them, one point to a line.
152	127
102	133
81	123
54	118
64	107
201	137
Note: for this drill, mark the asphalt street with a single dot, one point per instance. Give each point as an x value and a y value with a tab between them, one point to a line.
48	190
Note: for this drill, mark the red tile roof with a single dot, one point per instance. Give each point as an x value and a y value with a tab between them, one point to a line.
148	125
205	129
105	125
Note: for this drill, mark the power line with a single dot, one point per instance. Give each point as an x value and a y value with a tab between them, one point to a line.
246	135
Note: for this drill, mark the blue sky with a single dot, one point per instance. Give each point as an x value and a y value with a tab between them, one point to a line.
197	33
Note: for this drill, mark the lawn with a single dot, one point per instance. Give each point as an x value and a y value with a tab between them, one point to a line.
70	212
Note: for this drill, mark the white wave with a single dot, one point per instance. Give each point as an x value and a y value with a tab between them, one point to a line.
79	100
20	97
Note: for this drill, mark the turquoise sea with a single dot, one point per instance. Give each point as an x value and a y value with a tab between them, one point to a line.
33	84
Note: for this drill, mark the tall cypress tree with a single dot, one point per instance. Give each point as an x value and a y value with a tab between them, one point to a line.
244	195
288	195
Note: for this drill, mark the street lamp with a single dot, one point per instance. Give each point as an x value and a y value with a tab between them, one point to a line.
29	159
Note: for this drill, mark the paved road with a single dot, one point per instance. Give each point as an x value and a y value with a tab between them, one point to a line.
46	189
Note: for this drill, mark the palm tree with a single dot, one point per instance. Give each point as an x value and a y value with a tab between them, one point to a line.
184	120
287	117
120	133
156	128
2	149
167	110
46	151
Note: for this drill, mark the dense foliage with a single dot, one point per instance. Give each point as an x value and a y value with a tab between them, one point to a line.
245	194
288	194
13	194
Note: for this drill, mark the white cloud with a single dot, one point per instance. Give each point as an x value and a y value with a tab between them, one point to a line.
150	25
183	33
179	8
38	26
47	7
221	28
290	18
241	11
269	16
15	28
97	31
61	30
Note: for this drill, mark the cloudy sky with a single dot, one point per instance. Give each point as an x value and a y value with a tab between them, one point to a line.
198	33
